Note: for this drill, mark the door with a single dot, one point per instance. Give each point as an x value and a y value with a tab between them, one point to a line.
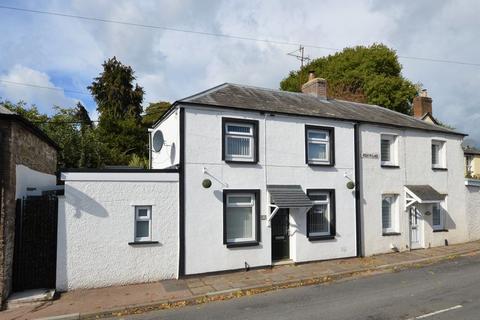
35	251
416	233
280	235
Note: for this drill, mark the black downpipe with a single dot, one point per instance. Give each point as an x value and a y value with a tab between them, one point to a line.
181	195
358	218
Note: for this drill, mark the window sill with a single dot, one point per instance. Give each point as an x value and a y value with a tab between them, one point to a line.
440	230
139	243
242	244
390	166
317	238
313	164
439	169
390	234
241	161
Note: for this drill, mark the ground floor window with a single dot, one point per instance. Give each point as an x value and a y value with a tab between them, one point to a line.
143	223
389	213
241	217
437	217
321	217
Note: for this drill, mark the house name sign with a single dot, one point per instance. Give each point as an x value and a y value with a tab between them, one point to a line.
370	155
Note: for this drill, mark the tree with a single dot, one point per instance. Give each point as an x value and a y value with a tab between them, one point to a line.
79	144
153	112
362	74
119	103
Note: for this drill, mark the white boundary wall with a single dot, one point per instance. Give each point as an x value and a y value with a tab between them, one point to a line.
29	178
96	224
472	200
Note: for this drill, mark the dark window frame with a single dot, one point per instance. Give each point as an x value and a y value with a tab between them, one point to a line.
255	124
331	140
255	242
333	222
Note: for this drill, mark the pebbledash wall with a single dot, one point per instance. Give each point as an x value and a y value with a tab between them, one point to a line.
414	168
96	229
281	161
472	200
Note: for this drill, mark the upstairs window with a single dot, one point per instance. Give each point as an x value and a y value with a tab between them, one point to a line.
469	165
438	154
321	218
389	213
388	150
240	140
319	144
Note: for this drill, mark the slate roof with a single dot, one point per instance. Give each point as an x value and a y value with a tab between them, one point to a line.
425	192
471	150
289	196
243	97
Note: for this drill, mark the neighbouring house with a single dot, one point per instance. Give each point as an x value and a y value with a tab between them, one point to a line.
472	162
28	161
245	177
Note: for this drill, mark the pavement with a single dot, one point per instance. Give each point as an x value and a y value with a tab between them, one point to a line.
443	291
195	290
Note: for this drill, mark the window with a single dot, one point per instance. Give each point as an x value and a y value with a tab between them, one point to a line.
389	213
388	151
241	217
321	218
437	217
469	165
438	154
240	140
319	145
143	223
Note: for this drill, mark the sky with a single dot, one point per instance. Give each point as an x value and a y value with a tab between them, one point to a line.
66	53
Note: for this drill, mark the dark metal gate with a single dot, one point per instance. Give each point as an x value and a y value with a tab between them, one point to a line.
35	252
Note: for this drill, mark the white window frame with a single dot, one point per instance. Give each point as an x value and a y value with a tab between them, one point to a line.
319	141
440	226
251	204
393	145
441	154
329	212
469	164
250	135
393	213
142	218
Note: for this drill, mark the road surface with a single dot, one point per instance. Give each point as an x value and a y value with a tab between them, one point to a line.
448	290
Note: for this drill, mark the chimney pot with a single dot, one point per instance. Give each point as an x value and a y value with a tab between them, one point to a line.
315	86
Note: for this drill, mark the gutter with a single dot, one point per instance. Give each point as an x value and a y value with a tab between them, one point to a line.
358	210
181	197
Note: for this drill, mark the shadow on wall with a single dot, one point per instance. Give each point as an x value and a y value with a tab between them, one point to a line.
84	203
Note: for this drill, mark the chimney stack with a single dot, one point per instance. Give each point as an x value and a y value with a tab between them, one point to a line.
315	86
422	104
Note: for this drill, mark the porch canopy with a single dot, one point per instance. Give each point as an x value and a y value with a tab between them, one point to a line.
422	193
287	196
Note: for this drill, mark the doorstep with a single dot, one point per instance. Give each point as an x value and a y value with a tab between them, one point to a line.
282	262
29	297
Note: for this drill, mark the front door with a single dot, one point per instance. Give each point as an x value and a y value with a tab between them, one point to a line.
416	234
280	235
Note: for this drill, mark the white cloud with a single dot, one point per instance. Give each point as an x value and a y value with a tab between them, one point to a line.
11	88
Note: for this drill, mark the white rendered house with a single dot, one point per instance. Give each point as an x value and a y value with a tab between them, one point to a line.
245	177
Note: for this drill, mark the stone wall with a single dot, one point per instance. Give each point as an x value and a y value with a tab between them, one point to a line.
18	146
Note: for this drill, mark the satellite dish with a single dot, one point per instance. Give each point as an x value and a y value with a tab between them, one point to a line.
158	141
